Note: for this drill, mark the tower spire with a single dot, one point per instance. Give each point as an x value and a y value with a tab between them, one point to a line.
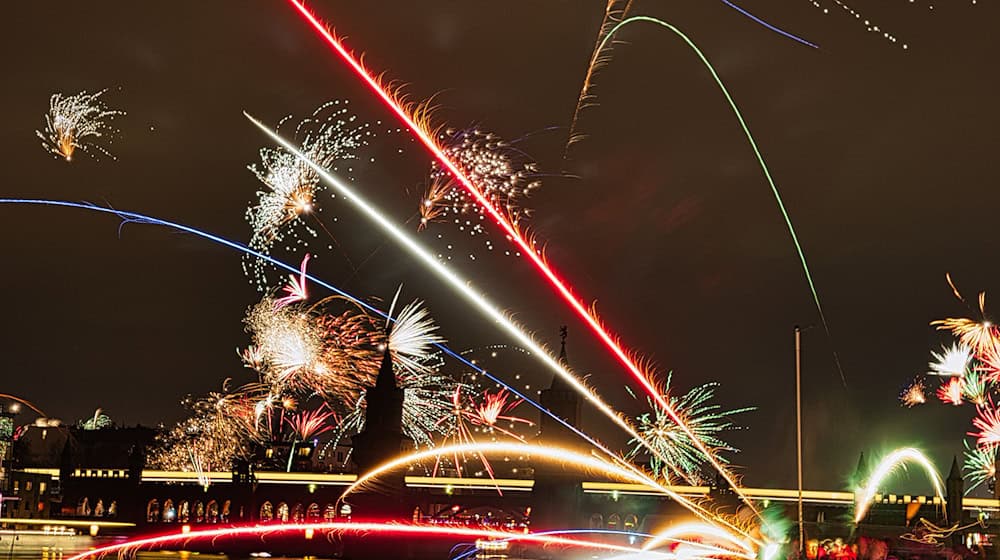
386	378
557	381
563	332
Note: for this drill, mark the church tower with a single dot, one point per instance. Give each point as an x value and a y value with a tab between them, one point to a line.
560	399
955	492
381	440
558	492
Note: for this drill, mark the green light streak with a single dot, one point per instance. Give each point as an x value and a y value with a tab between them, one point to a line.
757	153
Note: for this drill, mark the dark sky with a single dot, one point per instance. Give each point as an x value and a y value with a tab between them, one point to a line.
885	158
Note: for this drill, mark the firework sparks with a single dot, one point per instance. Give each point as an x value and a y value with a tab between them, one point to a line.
950	392
974	387
78	122
469	417
296	287
503	173
495	407
311	423
988	424
952	361
288	342
98	421
855	15
329	136
914	394
672	450
209	439
413	337
980	465
982	337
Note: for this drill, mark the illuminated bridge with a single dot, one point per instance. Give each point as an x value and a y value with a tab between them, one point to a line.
110	495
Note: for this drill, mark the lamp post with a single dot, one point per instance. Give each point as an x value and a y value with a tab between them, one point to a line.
798	433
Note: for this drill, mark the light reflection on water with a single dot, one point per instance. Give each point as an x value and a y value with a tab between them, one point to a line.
50	547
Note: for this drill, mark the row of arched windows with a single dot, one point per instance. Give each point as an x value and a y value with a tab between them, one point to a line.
86	508
187	512
282	513
615	522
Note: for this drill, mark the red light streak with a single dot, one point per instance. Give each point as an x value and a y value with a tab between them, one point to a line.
383	528
526	248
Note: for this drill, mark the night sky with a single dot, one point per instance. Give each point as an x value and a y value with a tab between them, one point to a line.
885	158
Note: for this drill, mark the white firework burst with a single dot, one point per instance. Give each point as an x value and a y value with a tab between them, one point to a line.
78	122
329	136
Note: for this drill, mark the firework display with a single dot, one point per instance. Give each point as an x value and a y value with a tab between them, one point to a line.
967	368
677	455
78	122
319	373
415	122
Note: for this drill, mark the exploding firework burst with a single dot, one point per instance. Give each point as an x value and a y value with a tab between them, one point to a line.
914	394
78	122
988	424
329	136
505	175
413	337
98	421
673	452
950	392
289	345
472	417
952	361
335	354
216	432
975	388
980	465
311	423
981	336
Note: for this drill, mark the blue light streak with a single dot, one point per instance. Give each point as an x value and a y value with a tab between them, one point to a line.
136	218
769	26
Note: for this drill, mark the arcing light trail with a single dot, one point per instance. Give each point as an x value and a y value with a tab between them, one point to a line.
134	217
487	308
556	454
757	153
886	467
25	403
528	248
306	529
